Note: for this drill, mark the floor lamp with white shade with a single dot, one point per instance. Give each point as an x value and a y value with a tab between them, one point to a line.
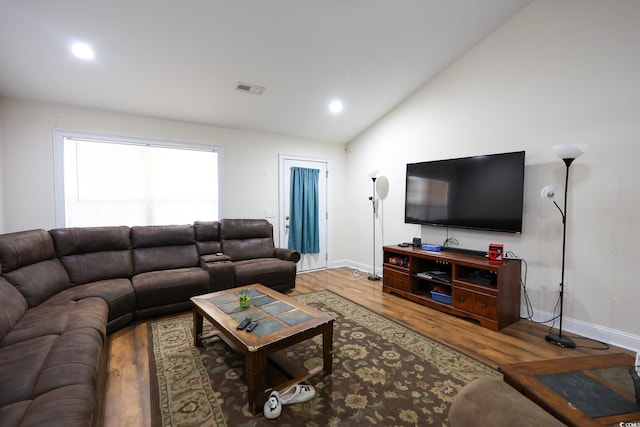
568	153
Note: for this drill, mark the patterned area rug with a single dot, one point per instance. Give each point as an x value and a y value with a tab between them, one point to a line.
383	374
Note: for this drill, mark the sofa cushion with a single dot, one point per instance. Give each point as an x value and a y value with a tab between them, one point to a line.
24	248
158	248
81	240
246	238
70	406
20	365
148	236
29	263
40	281
42	365
73	359
208	237
118	293
13	414
90	254
164	258
58	317
267	271
158	288
12	308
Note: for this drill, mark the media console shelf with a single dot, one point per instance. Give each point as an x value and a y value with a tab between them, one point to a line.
460	284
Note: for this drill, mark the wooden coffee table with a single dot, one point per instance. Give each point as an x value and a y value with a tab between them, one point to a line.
571	388
284	322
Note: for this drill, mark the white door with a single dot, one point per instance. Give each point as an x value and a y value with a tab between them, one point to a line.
307	261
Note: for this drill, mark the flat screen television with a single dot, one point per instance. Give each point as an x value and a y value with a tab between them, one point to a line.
481	192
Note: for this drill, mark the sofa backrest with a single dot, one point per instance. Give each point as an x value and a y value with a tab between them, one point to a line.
247	238
90	254
12	308
29	262
208	237
163	247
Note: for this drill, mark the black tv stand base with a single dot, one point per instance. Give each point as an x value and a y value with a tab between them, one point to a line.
374	277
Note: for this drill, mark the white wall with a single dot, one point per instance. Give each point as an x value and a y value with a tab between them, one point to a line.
559	72
250	162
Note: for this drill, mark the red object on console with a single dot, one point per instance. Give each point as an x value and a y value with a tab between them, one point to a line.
496	253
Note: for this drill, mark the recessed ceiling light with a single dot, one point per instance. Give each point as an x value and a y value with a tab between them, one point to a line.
335	106
82	51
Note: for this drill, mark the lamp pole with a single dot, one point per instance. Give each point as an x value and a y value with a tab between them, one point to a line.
568	153
373	275
558	339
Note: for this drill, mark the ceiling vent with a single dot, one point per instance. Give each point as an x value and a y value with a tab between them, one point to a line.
249	88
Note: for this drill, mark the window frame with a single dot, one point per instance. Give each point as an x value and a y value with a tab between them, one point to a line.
59	136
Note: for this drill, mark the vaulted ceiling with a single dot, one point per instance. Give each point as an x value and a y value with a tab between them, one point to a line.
183	60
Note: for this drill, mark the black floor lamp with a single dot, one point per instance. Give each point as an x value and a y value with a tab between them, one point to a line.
568	153
374	176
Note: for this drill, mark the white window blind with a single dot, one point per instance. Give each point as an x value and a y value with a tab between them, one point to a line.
118	183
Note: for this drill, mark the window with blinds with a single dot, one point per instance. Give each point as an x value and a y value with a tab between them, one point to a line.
108	181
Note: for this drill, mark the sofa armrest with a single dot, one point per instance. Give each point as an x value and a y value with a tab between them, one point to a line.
222	272
287	254
214	258
489	401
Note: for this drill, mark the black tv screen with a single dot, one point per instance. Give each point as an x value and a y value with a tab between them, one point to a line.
481	192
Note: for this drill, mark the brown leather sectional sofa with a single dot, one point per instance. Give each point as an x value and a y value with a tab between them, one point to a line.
63	291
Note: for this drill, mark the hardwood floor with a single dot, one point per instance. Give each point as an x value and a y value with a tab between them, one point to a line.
127	388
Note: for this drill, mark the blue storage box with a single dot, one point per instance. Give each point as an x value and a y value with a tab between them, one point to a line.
441	297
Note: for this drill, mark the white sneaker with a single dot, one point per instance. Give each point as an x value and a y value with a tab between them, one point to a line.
272	407
297	394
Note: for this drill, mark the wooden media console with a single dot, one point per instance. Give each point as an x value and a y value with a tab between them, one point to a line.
456	283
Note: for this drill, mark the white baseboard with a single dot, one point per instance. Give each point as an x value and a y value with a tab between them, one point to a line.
579	327
592	331
365	268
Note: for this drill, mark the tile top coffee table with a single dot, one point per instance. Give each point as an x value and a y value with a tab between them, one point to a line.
579	391
283	322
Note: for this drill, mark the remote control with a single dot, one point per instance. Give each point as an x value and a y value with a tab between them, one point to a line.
244	323
252	326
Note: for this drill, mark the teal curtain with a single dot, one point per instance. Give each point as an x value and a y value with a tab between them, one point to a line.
304	233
